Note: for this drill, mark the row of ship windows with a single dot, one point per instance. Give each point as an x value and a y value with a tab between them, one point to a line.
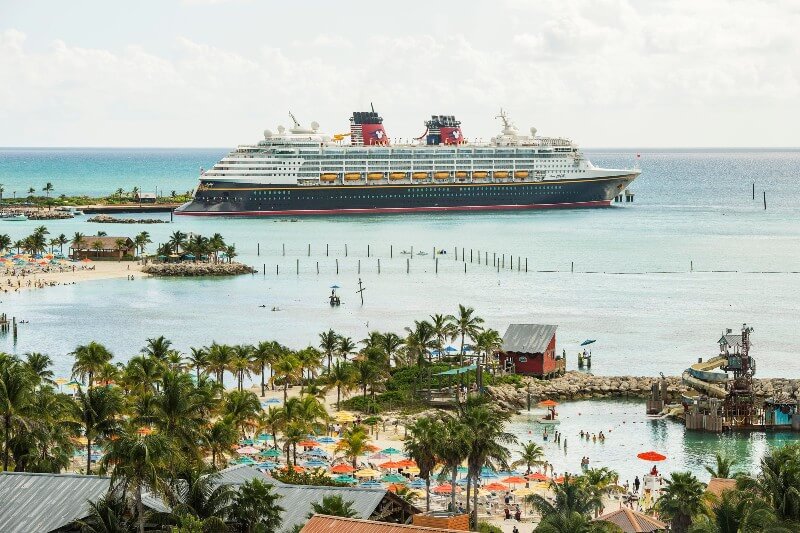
434	191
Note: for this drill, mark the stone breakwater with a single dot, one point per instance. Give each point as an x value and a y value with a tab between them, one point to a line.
197	269
105	219
581	386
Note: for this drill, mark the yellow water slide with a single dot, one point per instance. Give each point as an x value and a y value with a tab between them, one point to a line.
700	376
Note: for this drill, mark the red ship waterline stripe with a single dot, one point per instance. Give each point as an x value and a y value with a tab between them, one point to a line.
597	203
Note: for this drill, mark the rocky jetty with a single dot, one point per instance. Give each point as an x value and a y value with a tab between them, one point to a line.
582	386
187	269
105	219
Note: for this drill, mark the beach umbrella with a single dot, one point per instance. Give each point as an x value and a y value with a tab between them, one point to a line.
496	487
417	483
307	443
316	452
394	478
345	479
245	461
335	287
246	442
446	488
315	463
524	491
188	256
548	403
588	342
267	465
537	476
451	349
391	451
247	450
559	479
61	381
487	473
367	472
389	464
651	456
514	480
271	401
371	485
326	440
342	469
413	470
406	462
272	452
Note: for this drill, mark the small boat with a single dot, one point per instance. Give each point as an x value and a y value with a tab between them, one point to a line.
422	253
374	176
328	177
501	174
521	174
16	218
352	176
78	212
398	176
420	175
462	175
441	175
480	175
547	421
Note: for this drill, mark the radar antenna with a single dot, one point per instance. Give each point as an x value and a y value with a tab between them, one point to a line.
296	124
504	117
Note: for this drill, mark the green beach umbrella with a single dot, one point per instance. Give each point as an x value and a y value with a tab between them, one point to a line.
394	478
391	451
272	452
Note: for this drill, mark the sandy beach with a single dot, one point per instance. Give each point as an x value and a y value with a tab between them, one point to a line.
36	278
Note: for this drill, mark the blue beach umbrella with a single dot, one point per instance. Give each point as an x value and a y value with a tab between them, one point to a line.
316	452
345	479
272	452
315	463
246	442
267	465
245	461
588	341
271	401
391	451
335	287
418	483
371	484
264	437
451	349
326	440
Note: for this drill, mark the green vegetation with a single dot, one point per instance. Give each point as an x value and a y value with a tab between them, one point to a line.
48	201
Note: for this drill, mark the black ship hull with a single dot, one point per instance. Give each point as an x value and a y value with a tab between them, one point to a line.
223	198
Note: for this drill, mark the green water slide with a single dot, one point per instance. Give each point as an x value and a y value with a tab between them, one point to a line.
701	377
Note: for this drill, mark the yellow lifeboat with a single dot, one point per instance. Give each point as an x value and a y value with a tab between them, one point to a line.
501	174
521	174
352	176
462	175
420	175
398	175
328	177
374	176
441	175
480	175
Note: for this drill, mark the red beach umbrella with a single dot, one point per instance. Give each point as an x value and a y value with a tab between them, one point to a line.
548	403
406	463
514	480
651	456
536	476
496	487
445	488
390	464
308	444
342	469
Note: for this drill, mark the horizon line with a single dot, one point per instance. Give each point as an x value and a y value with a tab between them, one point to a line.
132	147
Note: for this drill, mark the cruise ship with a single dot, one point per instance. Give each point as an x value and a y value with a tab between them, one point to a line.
305	172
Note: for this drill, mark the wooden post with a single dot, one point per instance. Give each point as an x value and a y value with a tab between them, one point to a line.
318	268
765	200
572	266
511	261
526	264
359	266
284	249
486	258
412	252
504	260
258	248
276	270
265	269
327	246
408	265
754	190
691	266
391	251
465	267
309	249
379	265
345	250
463	257
297	267
368	250
437	265
337	266
470	255
494	258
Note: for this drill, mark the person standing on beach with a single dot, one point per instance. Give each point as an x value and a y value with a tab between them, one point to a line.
636	484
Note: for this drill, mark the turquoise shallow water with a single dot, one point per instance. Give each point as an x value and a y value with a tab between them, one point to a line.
628	432
631	289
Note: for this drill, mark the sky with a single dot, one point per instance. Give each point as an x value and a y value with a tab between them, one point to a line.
217	73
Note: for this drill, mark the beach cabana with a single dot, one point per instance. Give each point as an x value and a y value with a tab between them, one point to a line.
631	521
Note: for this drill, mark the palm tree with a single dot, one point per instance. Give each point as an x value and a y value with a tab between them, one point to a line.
601	480
158	348
309	358
177	413
219	359
97	410
353	443
341	376
16	389
723	467
778	481
138	461
328	343
62	240
487	443
142	373
5	242
198	359
77	238
738	511
255	507
97	246
367	374
453	448
219	438
47	189
345	347
242	407
90	359
197	492
265	353
488	342
530	454
442	329
241	364
142	240
681	499
574	522
286	368
177	240
421	445
420	340
39	364
109	514
272	420
390	343
571	496
466	324
333	506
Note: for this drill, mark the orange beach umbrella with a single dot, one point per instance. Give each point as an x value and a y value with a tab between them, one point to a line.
651	456
548	403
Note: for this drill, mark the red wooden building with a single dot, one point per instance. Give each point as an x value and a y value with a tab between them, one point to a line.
530	349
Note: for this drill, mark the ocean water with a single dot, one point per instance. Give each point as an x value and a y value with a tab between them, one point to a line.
654	281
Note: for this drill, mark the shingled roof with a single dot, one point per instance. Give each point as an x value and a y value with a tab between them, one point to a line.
45	502
328	524
631	521
528	338
108	243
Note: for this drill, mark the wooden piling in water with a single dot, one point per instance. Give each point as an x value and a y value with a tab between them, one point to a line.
408	265
345	249
437	266
318	268
465	267
368	250
470	255
265	269
379	265
391	251
326	249
309	249
276	270
754	190
572	266
359	266
765	200
337	266
526	264
284	249
297	267
258	248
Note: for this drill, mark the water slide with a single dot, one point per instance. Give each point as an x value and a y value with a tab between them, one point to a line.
700	376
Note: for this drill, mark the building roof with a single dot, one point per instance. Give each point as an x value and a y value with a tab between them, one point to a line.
528	338
731	340
109	243
336	524
631	521
146	195
44	502
296	500
718	485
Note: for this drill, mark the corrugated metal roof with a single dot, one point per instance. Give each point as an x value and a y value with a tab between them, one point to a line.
33	503
528	338
296	500
731	340
331	524
631	521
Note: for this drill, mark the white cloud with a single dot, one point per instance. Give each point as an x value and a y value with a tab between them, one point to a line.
608	72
